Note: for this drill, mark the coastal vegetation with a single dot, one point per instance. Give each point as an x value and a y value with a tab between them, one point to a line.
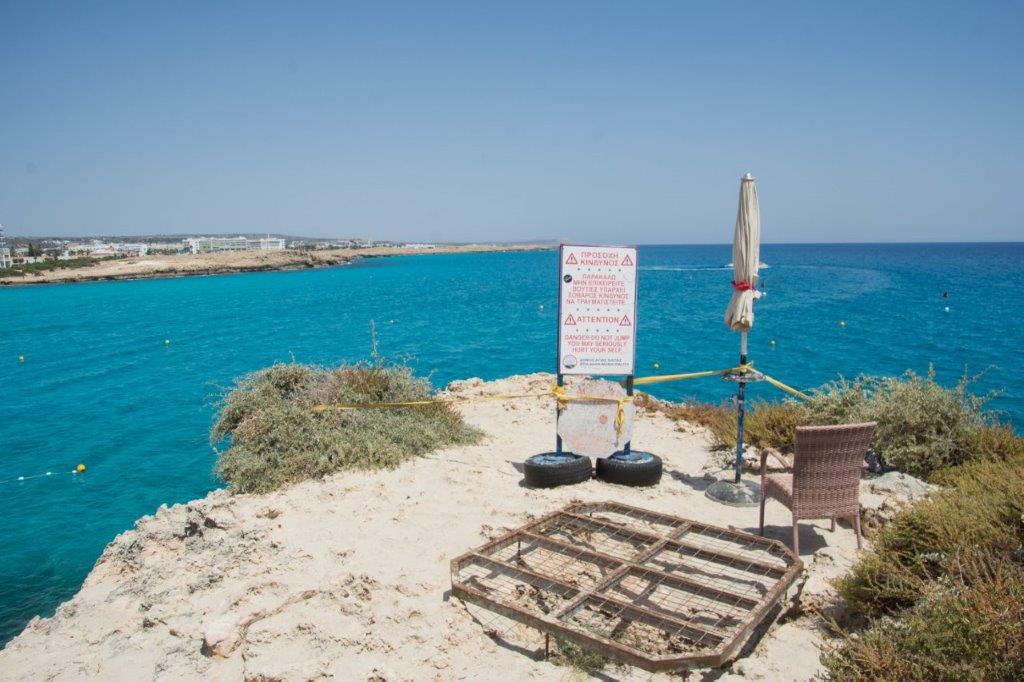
276	437
40	266
586	663
923	426
942	588
940	593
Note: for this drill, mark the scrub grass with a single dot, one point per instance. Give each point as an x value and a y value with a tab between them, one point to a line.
942	587
276	437
923	427
766	424
718	419
587	663
979	510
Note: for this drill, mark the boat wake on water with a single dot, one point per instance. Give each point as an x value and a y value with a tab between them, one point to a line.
692	268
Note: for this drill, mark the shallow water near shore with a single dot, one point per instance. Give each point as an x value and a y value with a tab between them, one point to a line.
100	386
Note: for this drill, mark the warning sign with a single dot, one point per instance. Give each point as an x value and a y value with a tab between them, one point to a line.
597	309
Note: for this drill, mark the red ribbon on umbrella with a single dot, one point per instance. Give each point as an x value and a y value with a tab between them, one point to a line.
741	286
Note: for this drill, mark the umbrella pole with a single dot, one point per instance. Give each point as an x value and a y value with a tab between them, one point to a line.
741	391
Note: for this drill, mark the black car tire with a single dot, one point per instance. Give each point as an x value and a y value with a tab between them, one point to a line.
635	469
549	470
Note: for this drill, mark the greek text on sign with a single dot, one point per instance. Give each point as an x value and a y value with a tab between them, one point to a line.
597	309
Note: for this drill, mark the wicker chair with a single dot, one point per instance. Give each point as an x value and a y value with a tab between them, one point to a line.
825	478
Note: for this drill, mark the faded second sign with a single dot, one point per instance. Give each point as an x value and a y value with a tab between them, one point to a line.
597	310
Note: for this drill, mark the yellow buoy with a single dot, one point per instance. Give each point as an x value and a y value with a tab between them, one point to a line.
167	342
656	366
772	342
541	306
842	323
21	358
80	468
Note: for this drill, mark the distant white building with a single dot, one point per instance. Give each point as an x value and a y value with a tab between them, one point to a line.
213	244
131	249
5	253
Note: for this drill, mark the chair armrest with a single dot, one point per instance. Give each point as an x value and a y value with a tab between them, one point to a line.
778	458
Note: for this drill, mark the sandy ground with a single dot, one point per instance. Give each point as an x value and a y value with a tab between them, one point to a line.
348	577
146	267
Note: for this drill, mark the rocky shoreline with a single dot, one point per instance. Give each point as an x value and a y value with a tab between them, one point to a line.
234	262
348	576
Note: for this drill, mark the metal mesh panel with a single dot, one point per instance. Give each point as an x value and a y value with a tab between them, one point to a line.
646	588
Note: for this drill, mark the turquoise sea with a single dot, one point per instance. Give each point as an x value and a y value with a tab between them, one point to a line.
99	385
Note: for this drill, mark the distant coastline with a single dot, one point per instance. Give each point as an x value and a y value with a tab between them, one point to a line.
229	262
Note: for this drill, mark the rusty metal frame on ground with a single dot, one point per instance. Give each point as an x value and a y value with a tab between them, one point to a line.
652	590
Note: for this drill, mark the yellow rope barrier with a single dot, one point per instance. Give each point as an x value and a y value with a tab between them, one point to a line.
661	378
788	389
556	392
563	398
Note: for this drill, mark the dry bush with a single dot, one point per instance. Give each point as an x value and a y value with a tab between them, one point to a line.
276	438
997	442
967	627
922	425
766	424
774	424
942	586
981	507
718	419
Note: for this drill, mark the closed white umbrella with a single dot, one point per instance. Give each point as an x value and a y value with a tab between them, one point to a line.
746	255
739	316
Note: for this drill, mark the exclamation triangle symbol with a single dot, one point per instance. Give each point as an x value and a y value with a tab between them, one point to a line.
627	260
571	260
570	320
624	322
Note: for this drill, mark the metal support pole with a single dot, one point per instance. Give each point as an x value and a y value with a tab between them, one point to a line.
739	429
560	380
740	400
629	392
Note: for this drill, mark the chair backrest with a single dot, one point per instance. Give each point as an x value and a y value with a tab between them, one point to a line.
827	467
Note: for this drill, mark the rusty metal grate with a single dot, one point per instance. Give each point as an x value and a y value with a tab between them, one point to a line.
656	591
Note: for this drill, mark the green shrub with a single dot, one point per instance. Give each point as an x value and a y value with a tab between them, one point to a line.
980	509
943	584
997	443
277	438
968	627
922	425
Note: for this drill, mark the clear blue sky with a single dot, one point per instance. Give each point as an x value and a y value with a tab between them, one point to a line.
616	122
